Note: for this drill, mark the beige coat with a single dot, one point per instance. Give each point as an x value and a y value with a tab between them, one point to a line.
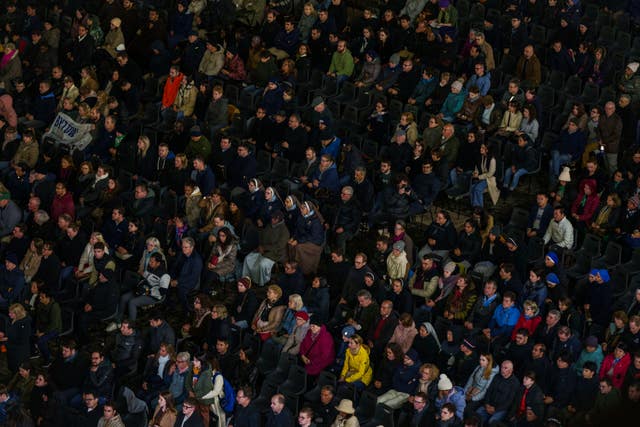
186	99
168	419
112	40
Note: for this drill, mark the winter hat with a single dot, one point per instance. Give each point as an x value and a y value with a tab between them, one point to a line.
346	406
457	85
395	59
635	200
450	267
317	101
604	274
565	175
12	258
512	241
277	215
232	50
553	279
591	341
348	331
302	315
399	245
495	230
117	22
633	66
413	355
5	195
553	257
121	48
245	281
593	272
315	320
469	343
400	132
444	383
195	131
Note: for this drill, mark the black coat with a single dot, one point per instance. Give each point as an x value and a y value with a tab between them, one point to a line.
18	334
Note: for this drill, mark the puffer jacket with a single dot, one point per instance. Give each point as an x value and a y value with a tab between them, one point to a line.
212	62
357	367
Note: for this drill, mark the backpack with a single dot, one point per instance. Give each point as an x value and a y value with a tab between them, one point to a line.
229	400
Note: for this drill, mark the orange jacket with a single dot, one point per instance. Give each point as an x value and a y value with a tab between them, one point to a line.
171	90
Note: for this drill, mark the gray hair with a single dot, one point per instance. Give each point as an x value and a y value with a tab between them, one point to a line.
183	356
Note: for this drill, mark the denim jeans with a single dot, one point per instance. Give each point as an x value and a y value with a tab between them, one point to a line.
477	193
512	178
488	419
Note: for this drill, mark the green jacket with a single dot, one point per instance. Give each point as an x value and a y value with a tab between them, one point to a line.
201	147
342	63
203	387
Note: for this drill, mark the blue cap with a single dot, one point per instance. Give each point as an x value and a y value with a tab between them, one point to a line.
348	331
553	257
604	274
553	278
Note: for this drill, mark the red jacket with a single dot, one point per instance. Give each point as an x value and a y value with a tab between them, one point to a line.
619	371
170	91
320	351
529	324
591	204
62	205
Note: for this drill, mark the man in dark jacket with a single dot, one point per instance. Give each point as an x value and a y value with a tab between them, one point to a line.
245	414
383	327
242	168
500	395
67	372
569	148
190	415
43	109
540	216
347	218
280	415
528	404
100	302
441	236
186	272
127	349
100	376
561	384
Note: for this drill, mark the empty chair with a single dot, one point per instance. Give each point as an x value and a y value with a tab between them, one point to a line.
383	416
607	94
581	268
632	266
590	93
590	246
366	407
538	34
612	256
573	86
281	372
623	41
619	281
263	160
268	360
607	36
519	219
547	96
535	250
556	79
296	382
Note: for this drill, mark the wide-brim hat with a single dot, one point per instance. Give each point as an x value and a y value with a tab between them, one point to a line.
346	406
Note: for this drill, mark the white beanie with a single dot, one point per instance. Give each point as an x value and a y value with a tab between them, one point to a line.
633	66
444	383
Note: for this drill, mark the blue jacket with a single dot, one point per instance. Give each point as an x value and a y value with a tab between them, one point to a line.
328	179
536	292
426	187
205	180
452	104
423	90
188	270
503	320
483	83
44	107
333	148
456	398
404	379
309	229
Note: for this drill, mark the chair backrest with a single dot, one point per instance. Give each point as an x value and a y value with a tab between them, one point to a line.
613	254
519	218
366	407
591	244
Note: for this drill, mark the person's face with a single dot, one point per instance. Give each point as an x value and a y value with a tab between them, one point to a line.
342	46
618	353
489	289
558	215
188	410
326	397
276	406
506	369
634	327
605	388
187	249
385	167
441	219
445	415
484	362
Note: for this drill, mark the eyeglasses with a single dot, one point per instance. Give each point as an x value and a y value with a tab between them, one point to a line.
187	407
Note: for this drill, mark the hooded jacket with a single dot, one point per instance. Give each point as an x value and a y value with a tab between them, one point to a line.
585	206
357	367
319	350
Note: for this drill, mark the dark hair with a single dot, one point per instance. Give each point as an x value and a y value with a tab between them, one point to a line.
590	365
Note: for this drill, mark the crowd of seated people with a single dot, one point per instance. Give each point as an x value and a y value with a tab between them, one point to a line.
231	213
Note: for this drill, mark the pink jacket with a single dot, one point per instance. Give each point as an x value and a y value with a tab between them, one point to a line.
321	352
7	111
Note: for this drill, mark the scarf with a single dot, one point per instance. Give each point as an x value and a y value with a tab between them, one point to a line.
7	57
603	216
162	362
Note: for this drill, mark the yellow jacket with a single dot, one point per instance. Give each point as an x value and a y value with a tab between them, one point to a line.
357	367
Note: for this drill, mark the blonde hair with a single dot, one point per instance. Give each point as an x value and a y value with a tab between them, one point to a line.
297	301
18	310
434	371
221	309
100	238
486	374
145	142
276	289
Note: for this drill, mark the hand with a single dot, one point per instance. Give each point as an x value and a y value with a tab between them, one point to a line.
431	241
468	325
173	283
490	409
339	230
548	400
